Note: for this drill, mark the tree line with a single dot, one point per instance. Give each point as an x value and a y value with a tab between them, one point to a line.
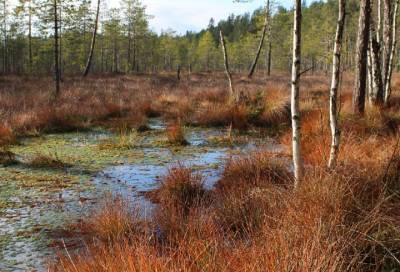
119	40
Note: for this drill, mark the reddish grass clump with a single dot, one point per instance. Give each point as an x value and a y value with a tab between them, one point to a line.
224	115
116	220
7	137
254	170
176	134
180	193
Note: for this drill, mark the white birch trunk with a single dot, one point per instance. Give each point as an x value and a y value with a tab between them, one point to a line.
392	54
333	112
295	98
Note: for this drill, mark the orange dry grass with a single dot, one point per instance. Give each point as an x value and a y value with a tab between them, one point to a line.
7	137
116	221
176	134
319	227
255	170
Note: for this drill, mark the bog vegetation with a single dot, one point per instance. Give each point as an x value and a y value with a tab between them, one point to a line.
320	79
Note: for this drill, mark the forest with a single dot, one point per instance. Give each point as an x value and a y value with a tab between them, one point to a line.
266	141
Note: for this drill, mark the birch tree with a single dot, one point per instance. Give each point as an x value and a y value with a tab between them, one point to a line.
388	78
374	69
387	39
361	57
333	112
295	96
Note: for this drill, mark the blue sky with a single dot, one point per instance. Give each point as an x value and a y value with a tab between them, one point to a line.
182	15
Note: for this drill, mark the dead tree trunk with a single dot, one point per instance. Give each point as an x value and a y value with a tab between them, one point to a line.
392	54
269	55
361	59
232	93
89	60
56	53
178	72
264	32
335	131
295	97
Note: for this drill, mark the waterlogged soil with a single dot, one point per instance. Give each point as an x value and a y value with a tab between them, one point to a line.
37	199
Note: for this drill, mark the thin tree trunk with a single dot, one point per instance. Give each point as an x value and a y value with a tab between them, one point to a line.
30	37
361	61
129	51
376	94
269	56
56	47
265	28
387	40
232	94
369	77
89	60
335	130
295	97
178	72
392	54
102	55
134	51
379	28
5	53
60	70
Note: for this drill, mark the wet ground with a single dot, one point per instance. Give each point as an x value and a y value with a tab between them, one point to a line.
34	200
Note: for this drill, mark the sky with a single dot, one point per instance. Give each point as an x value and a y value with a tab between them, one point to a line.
183	15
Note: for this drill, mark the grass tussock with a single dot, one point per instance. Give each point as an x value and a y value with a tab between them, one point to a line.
7	158
7	137
180	194
254	170
176	135
47	161
116	221
125	139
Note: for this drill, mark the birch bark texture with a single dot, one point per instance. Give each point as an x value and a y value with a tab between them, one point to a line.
377	89
361	57
333	111
387	38
295	95
392	54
